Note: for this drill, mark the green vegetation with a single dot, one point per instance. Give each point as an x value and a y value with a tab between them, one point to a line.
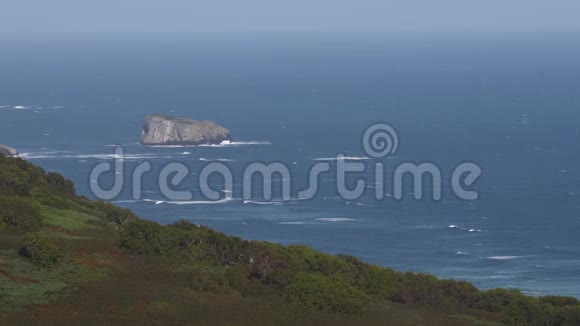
20	214
320	293
60	252
40	250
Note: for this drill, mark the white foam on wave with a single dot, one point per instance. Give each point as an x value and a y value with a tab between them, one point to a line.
190	202
335	219
293	223
504	257
344	158
216	159
453	226
33	108
239	143
222	144
462	253
66	155
263	202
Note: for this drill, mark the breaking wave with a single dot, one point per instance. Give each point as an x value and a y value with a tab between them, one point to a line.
335	219
347	158
263	202
190	202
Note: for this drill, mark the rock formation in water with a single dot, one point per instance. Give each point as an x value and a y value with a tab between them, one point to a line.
166	130
7	151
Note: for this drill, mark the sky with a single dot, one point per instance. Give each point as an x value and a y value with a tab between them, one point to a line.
38	18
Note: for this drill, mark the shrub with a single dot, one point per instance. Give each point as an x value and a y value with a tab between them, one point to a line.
20	214
419	289
518	309
318	262
57	183
19	177
378	282
118	216
148	238
571	316
271	263
559	301
460	295
216	279
237	278
40	250
326	293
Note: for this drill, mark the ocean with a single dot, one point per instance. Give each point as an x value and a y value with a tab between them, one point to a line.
510	105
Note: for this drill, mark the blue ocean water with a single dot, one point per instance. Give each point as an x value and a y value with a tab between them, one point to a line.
510	105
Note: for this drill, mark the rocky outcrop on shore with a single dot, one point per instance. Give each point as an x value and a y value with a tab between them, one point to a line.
7	151
161	130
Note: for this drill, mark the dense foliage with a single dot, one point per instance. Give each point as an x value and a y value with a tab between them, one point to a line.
40	250
20	214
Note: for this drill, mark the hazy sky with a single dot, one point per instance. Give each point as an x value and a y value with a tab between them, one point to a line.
20	18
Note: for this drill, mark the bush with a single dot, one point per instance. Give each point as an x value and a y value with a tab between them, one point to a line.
559	301
118	216
57	183
326	293
378	282
20	214
460	295
519	309
228	280
40	250
149	238
419	289
317	262
18	177
271	263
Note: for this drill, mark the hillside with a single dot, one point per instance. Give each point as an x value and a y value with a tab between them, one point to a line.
67	260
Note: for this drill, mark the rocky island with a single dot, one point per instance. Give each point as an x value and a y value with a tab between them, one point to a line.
167	130
7	151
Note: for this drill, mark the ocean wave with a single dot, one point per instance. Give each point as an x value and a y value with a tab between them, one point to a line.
360	204
216	159
462	253
65	155
263	202
335	219
190	202
453	226
347	158
222	144
34	108
505	257
240	143
293	223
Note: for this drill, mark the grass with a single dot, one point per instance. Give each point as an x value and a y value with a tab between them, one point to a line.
23	284
72	220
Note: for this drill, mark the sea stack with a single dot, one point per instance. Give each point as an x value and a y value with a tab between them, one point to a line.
8	151
159	130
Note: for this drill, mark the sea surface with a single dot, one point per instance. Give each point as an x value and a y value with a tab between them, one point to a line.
510	105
